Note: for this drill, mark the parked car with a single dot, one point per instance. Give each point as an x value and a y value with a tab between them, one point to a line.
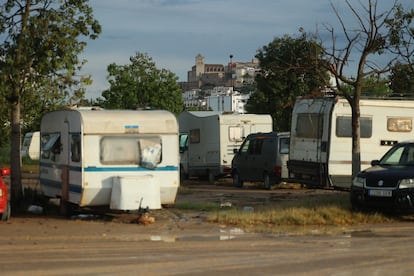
5	209
389	182
261	157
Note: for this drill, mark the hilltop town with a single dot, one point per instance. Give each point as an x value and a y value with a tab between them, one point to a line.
219	87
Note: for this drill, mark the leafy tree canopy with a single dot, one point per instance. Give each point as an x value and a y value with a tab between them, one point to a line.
40	41
141	84
290	67
402	80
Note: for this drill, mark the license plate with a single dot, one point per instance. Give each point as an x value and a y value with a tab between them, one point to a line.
380	193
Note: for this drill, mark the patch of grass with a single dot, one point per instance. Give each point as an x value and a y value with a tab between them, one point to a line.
310	211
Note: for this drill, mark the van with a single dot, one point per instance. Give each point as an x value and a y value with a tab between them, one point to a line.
262	157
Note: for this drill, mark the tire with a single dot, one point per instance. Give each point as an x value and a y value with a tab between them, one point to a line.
237	181
211	177
6	215
266	181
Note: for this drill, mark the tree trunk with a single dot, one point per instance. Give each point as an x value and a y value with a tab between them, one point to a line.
15	154
356	134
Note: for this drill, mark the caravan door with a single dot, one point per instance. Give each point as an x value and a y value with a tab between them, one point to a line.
310	140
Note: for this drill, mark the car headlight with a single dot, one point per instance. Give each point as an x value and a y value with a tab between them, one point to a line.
358	182
406	183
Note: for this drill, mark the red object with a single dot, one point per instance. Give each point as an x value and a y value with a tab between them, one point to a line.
5	171
4	196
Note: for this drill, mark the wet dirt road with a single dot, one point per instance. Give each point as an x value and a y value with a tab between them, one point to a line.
184	244
55	247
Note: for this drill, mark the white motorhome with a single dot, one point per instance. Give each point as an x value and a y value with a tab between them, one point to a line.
110	157
321	137
31	145
208	140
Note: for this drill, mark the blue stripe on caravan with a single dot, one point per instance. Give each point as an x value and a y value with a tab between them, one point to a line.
58	185
110	169
129	169
59	166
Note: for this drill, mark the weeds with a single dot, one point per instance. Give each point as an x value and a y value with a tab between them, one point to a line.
330	210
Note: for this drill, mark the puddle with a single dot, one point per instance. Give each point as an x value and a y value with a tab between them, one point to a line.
372	234
223	235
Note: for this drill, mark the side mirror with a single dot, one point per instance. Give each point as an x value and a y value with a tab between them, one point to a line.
374	162
235	151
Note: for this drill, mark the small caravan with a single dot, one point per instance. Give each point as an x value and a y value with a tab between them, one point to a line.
208	140
117	158
31	145
321	137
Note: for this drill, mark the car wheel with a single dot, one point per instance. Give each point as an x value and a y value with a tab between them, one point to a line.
237	181
6	215
355	204
266	181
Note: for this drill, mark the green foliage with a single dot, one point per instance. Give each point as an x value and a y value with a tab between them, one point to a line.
141	84
39	55
402	80
41	42
290	67
375	87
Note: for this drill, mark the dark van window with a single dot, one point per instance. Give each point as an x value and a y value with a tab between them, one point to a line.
245	146
255	146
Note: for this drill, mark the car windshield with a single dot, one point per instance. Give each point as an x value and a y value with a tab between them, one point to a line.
400	154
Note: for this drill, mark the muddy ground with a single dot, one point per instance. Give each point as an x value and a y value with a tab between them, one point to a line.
193	193
180	242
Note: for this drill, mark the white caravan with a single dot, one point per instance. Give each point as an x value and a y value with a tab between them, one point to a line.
118	158
321	137
31	145
208	140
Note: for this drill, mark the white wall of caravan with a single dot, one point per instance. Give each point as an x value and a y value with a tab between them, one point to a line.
100	181
340	159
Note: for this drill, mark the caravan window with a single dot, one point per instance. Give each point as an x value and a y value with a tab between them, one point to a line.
399	124
344	126
236	133
183	142
75	147
195	136
284	145
50	145
144	151
309	125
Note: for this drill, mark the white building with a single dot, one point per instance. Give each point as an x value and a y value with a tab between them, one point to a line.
234	102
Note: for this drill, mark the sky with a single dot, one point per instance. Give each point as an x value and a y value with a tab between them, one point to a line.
173	32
